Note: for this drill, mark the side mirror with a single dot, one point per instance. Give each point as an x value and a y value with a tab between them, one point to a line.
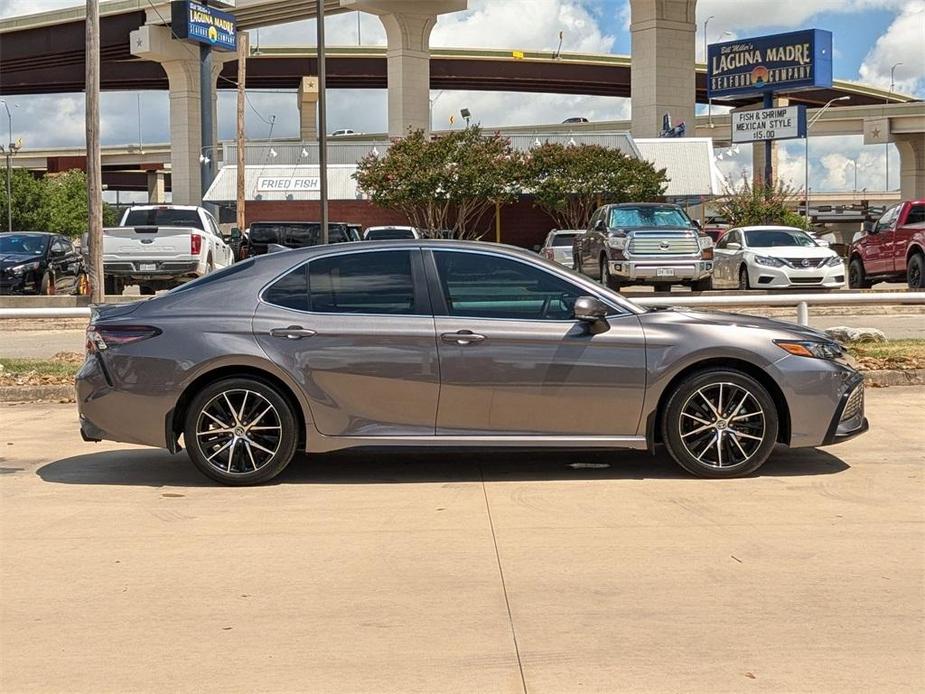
697	224
590	309
869	227
822	242
599	225
734	246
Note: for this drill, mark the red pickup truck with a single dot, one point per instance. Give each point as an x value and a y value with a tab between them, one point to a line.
891	249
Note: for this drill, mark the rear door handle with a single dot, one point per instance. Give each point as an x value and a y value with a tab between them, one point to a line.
462	337
293	332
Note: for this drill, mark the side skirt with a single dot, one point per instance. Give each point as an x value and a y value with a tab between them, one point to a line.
323	444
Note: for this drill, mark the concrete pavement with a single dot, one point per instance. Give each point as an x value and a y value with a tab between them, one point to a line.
124	570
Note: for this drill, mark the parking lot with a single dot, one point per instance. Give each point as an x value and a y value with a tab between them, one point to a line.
463	573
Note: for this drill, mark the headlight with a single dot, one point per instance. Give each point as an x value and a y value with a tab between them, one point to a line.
25	267
768	261
617	242
834	261
811	348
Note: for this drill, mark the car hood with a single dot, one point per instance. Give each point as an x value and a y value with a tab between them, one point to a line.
720	318
794	251
10	259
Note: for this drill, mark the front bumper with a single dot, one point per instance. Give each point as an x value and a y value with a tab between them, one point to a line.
658	270
849	420
763	277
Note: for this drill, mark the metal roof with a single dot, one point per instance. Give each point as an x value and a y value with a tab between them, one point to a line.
689	162
341	185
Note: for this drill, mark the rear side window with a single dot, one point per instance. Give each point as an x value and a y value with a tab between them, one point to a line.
916	214
379	282
290	290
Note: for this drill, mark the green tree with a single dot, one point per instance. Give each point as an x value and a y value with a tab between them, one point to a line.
28	207
751	204
446	182
570	182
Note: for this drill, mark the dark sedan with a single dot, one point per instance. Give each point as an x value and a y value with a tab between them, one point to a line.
449	344
37	262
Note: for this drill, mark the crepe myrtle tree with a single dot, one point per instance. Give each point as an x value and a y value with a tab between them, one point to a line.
570	181
447	182
748	204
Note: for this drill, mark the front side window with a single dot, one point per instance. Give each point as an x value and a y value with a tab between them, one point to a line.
378	282
488	286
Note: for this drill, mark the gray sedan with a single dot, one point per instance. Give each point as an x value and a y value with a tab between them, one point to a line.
449	344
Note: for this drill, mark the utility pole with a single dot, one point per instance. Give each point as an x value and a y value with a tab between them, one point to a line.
243	48
94	249
322	125
8	153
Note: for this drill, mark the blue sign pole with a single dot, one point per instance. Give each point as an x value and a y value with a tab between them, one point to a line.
207	130
768	147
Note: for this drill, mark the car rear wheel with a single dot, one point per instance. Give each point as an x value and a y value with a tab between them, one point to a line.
720	424
915	272
663	287
240	431
857	278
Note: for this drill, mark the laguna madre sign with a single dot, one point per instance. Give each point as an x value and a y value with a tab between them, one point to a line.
777	63
197	22
769	124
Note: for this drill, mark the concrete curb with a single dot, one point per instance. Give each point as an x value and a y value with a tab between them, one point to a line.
873	379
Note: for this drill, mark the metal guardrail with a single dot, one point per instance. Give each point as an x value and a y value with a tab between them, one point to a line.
802	303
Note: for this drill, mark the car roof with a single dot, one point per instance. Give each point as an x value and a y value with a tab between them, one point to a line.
769	227
643	204
29	233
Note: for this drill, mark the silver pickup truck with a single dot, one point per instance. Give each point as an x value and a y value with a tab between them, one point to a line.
644	243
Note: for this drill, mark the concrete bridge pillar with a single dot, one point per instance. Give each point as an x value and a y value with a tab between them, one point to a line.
662	79
308	109
408	24
911	165
156	187
180	61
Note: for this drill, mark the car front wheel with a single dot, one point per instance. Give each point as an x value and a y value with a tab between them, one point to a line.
720	424
915	273
240	431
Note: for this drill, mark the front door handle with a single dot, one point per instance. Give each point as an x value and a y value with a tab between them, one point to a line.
293	332
462	337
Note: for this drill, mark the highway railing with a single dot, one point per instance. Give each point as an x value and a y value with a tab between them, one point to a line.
801	302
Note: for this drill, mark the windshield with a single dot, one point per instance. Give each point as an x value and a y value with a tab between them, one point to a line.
563	239
163	217
774	238
623	217
22	244
385	234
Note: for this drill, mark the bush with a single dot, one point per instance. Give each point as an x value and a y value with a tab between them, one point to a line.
759	204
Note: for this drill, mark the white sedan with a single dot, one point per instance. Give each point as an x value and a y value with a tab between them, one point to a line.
774	257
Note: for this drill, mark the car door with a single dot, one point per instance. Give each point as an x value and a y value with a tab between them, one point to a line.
355	330
65	264
222	254
589	265
903	234
878	245
514	361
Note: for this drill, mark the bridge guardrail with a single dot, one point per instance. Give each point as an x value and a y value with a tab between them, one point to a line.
802	302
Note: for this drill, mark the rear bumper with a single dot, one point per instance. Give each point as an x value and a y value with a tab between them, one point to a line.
661	270
163	269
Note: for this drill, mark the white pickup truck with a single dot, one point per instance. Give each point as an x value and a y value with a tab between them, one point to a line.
161	246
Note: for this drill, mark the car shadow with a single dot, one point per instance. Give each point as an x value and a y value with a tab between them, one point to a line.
157	468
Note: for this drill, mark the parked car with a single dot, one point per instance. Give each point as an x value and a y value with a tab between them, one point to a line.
343	132
38	262
354	231
558	246
575	119
775	257
294	235
645	243
162	246
449	344
387	233
892	249
715	227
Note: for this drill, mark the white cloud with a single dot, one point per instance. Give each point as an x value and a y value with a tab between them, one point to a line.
13	8
902	43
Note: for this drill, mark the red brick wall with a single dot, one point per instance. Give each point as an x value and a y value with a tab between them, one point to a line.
522	224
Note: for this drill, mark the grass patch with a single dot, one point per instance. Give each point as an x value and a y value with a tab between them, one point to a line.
892	354
59	370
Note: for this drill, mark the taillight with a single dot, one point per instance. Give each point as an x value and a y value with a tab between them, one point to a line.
102	337
195	244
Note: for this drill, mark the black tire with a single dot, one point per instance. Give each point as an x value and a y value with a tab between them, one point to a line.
857	278
47	285
606	278
210	266
678	429
113	286
744	282
915	272
663	287
146	290
704	285
280	448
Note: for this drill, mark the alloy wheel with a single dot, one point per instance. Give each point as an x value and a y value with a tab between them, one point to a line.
722	425
239	431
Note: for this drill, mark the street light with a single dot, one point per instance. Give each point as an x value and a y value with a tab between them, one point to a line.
815	117
886	145
9	151
432	102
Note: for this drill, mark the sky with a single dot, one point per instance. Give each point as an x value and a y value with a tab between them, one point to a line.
869	37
